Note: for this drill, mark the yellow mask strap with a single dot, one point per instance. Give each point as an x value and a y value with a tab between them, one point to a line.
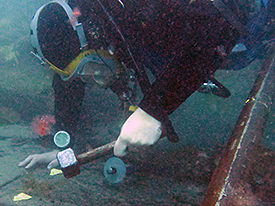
73	65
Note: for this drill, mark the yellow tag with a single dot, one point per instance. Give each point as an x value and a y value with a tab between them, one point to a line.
133	108
55	172
21	196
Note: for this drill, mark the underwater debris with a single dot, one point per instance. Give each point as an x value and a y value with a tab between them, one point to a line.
21	196
43	125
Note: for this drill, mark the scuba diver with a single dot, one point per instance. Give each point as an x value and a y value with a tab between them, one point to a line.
181	42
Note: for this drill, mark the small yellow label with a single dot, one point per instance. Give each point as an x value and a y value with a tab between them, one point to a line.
21	196
133	108
55	172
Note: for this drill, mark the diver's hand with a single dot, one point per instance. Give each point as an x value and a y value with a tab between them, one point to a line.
47	158
139	129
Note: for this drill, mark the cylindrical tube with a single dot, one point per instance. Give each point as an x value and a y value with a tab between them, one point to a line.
96	153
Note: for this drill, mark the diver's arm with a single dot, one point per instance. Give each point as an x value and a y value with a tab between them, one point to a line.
146	125
183	77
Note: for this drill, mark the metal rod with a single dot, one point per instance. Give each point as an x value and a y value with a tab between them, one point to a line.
231	173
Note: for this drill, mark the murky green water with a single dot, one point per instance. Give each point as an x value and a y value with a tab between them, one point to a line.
166	174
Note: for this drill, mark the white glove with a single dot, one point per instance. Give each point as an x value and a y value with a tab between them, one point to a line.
139	129
48	158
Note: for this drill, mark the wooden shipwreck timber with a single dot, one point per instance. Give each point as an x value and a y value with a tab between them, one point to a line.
232	171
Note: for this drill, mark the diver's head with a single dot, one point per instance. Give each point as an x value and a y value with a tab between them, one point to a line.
70	49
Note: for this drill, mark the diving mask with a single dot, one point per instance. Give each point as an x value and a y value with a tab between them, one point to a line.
95	66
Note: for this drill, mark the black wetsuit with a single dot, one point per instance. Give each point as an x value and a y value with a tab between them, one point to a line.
177	40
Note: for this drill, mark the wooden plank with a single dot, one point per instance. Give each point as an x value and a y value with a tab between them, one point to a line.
229	178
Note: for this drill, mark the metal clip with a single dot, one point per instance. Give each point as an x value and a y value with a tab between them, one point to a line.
38	57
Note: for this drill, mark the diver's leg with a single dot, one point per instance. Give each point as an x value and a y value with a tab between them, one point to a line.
68	103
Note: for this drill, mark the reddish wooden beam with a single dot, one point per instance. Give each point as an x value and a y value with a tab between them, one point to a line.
95	153
229	178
